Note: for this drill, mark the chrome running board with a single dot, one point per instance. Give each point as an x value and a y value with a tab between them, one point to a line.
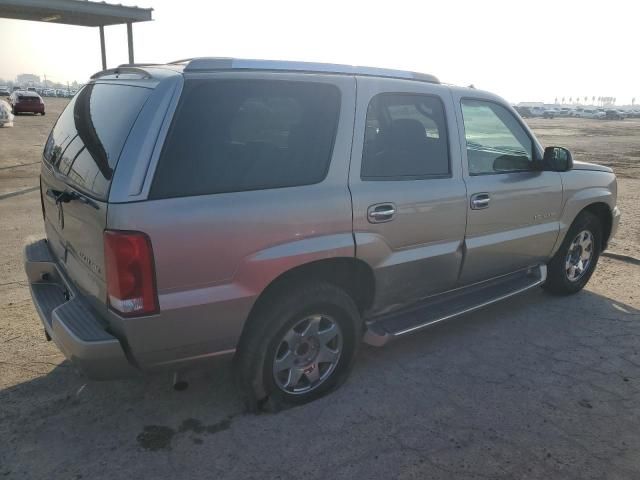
454	303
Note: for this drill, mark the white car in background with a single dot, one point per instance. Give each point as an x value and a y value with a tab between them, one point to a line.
537	111
6	117
590	113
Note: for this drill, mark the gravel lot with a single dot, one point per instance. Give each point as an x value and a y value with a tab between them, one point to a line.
537	387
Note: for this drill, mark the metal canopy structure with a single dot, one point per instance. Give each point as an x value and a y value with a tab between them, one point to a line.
78	12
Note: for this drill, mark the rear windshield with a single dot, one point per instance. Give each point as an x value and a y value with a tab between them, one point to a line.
239	135
87	140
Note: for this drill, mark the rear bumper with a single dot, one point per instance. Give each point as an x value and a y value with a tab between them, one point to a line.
77	330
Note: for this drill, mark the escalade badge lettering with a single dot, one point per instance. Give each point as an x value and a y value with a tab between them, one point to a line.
87	260
541	216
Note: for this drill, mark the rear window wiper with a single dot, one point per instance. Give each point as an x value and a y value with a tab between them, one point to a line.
61	196
66	196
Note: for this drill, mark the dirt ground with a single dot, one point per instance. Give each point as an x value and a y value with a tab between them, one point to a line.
536	387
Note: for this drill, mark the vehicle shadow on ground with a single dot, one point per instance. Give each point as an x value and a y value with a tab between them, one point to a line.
529	335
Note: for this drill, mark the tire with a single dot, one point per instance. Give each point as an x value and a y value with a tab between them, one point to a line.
575	252
276	336
42	113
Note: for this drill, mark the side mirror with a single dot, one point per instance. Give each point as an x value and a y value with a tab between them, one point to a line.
557	159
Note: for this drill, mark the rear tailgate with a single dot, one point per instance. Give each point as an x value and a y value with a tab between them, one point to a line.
80	158
74	231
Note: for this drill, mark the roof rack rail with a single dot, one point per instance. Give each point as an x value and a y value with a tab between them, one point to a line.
179	62
122	69
219	63
124	65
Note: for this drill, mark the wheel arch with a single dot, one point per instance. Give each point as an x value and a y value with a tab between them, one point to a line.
349	273
601	211
598	198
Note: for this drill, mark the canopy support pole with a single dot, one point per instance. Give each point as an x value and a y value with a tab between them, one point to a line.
130	42
102	49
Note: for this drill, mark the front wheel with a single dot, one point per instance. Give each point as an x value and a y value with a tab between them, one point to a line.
573	264
300	346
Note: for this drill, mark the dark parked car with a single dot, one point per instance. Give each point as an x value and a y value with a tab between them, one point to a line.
4	91
25	101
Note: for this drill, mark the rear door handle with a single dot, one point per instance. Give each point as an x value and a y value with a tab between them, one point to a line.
381	212
480	201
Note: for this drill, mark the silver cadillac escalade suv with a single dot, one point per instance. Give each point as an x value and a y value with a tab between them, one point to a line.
283	212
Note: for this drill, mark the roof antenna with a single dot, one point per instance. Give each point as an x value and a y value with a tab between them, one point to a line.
472	86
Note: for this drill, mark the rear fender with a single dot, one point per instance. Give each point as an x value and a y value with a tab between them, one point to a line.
257	271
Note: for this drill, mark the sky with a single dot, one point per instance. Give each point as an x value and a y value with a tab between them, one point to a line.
523	51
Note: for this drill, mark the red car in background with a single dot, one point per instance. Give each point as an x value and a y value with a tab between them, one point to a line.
24	101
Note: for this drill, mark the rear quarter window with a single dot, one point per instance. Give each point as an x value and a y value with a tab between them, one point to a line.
89	136
239	135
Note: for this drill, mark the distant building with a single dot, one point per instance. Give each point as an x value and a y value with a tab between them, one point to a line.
28	79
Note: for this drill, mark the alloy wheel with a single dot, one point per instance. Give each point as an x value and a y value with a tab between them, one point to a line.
579	255
308	354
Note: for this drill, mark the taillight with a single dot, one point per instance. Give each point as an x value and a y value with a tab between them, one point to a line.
131	282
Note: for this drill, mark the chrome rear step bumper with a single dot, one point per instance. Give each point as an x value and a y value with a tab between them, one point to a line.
78	332
439	308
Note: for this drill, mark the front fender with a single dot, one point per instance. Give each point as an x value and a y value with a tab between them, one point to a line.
582	188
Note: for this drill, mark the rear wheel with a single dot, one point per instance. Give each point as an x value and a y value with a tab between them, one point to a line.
573	264
299	347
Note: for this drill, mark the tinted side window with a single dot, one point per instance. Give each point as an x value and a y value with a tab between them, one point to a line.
87	140
238	135
496	142
405	137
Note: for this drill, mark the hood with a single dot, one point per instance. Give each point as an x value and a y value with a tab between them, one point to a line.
577	165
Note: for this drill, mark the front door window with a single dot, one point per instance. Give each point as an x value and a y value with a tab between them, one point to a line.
496	142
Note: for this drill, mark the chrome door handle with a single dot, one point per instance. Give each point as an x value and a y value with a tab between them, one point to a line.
480	201
382	212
